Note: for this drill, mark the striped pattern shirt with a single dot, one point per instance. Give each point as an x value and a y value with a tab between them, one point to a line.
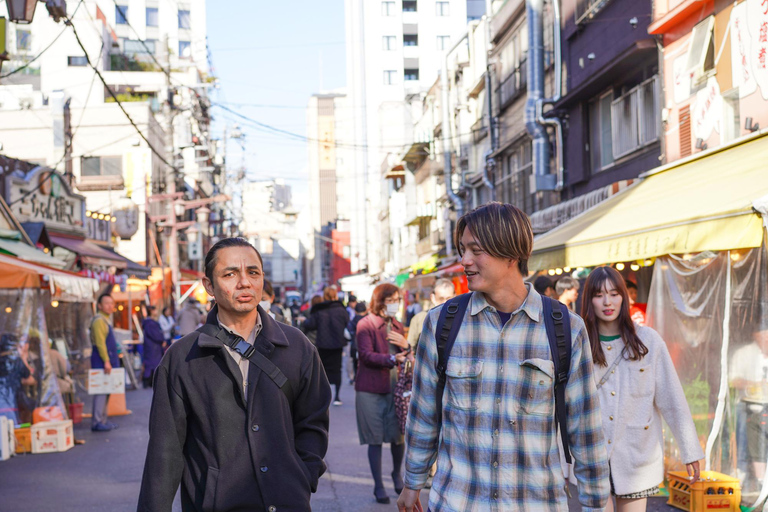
497	449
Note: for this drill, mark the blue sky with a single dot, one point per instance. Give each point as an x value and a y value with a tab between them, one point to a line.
268	54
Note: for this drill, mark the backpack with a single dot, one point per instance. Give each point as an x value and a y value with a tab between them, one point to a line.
558	324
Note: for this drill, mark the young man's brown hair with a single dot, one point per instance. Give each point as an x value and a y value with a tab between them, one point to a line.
502	230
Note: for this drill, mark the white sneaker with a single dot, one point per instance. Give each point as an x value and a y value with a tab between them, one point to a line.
337	402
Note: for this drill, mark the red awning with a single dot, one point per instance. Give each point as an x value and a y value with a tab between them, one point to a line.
89	252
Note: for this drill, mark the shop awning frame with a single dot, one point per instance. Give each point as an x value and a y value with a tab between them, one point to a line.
65	286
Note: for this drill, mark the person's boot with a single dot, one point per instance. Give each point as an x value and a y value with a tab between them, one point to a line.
381	496
397	479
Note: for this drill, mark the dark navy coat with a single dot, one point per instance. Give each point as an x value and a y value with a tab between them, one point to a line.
153	345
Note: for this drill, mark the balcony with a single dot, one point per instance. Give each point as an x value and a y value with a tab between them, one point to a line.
635	118
429	244
120	62
512	86
588	9
479	130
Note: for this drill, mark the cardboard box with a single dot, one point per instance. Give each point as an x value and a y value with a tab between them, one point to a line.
52	436
99	383
7	439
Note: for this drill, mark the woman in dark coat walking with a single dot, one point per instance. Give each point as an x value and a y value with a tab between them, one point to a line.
381	346
154	341
328	319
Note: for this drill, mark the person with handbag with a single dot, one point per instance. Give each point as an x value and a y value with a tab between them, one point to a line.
381	346
638	386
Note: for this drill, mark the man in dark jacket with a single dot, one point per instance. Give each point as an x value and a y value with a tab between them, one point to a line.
221	426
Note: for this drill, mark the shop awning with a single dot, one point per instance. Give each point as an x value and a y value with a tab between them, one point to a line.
133	269
90	252
696	205
28	253
65	286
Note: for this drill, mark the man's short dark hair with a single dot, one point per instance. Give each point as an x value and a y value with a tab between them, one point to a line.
630	284
102	297
352	298
225	243
564	284
268	288
541	283
361	307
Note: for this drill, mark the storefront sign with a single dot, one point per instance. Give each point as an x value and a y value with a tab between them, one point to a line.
43	196
98	229
749	47
707	110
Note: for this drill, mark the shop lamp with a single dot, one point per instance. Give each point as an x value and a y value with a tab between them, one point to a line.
735	256
619	267
8	309
551	272
137	309
54	303
113	219
203	214
179	208
88	213
635	267
21	11
192	233
559	271
566	269
120	307
648	263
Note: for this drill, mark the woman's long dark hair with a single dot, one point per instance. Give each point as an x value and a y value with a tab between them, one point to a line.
595	284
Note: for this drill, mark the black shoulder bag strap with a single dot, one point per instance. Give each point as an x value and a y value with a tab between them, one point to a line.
558	323
448	324
250	353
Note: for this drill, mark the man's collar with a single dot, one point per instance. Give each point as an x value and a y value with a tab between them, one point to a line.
271	333
532	304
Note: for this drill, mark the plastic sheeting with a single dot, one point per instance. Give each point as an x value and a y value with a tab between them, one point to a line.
68	328
712	311
24	350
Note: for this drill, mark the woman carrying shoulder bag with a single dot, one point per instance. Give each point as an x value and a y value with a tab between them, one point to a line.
638	386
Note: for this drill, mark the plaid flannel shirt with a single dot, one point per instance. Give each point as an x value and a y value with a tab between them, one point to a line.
497	448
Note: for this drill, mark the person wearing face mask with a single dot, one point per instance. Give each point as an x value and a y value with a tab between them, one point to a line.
381	346
328	319
267	298
638	386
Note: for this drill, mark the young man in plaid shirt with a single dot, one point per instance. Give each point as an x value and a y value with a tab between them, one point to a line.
495	435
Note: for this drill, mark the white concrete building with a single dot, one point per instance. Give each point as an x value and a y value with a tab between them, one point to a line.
394	52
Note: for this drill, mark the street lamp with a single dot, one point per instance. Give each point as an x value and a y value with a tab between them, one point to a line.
192	233
21	11
202	215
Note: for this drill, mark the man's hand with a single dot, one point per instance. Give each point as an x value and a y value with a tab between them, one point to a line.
693	471
409	501
397	339
107	367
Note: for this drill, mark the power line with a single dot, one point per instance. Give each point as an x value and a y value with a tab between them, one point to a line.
25	66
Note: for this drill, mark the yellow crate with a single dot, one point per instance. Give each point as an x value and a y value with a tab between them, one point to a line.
713	491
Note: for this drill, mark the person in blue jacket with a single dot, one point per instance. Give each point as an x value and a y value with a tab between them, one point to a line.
154	343
103	356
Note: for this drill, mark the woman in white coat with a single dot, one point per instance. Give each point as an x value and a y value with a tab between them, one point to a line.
638	386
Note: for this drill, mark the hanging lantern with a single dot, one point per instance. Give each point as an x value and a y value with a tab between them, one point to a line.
21	11
126	213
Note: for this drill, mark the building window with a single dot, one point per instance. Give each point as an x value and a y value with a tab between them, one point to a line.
121	14
387	8
389	76
513	183
136	47
731	127
442	8
409	5
411	74
600	132
443	42
23	40
153	17
388	43
184	20
701	56
410	39
77	61
635	119
102	166
185	49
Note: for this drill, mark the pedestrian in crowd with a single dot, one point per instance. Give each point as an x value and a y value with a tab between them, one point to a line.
567	289
442	291
636	311
189	317
638	386
154	344
413	309
221	424
493	433
15	372
167	323
351	303
329	319
361	309
267	302
381	346
103	356
311	334
543	286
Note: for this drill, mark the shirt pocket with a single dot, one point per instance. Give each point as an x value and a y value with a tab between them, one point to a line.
641	381
463	380
643	442
537	391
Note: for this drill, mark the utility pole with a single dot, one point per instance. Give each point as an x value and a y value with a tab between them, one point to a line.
173	246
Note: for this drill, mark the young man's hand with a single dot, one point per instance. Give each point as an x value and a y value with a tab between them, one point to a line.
409	501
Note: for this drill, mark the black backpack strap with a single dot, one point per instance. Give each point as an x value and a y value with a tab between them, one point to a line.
250	353
558	323
445	335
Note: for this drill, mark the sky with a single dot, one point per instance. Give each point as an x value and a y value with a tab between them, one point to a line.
267	56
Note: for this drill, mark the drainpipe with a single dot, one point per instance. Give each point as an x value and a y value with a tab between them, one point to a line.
447	139
490	162
555	121
535	66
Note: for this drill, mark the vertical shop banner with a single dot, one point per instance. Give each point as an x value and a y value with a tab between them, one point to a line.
757	14
741	55
707	110
683	75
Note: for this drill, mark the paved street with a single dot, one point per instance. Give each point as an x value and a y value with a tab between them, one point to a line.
104	474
